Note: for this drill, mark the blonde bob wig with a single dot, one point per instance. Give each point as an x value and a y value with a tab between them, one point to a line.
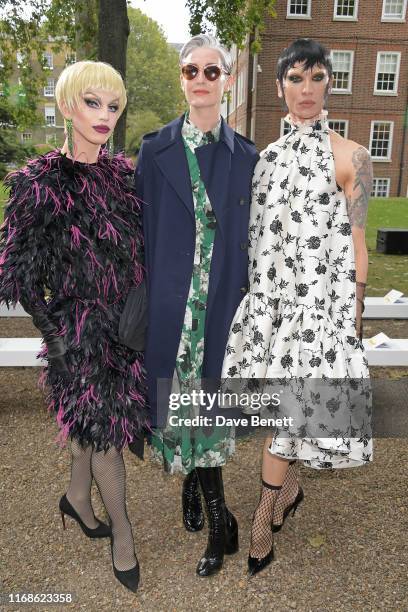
81	77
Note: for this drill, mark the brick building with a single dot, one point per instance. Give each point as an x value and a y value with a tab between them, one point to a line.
368	40
51	129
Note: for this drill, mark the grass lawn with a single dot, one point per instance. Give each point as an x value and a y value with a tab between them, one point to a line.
385	271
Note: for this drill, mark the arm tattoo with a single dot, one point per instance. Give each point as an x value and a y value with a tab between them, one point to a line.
357	203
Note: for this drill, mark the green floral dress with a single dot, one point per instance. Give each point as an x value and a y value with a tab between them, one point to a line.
178	447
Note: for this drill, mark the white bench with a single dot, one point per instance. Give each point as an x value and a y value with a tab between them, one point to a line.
396	354
18	311
20	352
23	352
377	308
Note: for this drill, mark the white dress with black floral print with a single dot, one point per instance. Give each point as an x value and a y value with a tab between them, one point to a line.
298	317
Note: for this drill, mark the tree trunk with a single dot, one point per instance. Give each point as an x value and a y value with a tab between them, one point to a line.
113	32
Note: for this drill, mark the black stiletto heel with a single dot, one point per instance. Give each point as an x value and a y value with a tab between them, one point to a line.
294	506
102	531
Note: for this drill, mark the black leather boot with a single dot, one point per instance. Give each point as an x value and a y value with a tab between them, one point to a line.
223	527
193	516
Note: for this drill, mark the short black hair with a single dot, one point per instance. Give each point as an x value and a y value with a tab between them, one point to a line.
303	50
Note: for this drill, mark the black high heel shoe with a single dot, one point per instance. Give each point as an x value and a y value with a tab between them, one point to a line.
257	565
129	578
102	531
223	527
294	506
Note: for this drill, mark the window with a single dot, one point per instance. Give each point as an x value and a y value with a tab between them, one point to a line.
49	89
340	126
49	112
386	74
381	140
26	137
394	10
284	128
70	58
241	88
299	9
381	188
342	71
19	58
345	10
48	60
254	71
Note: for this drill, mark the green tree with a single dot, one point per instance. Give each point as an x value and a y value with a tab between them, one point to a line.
139	124
153	80
11	151
231	19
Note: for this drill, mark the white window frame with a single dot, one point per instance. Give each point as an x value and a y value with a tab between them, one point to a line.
70	58
382	159
282	127
380	92
241	88
254	71
350	87
45	116
28	135
381	178
394	19
346	126
48	54
342	17
307	16
47	88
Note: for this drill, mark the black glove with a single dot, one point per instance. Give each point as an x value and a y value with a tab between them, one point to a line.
360	291
58	366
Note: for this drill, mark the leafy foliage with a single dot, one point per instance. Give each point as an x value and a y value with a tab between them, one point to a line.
232	19
152	73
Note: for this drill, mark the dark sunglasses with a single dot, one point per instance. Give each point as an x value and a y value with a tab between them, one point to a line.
211	73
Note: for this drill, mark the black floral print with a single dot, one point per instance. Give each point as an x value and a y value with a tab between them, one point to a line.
297	320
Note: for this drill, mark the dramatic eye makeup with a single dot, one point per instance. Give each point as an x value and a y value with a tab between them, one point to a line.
95	102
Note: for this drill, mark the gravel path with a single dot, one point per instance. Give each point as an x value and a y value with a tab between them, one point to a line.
345	550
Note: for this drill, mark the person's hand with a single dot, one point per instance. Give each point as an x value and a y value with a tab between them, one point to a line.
58	370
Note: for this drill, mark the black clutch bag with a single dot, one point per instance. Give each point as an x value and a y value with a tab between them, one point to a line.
133	320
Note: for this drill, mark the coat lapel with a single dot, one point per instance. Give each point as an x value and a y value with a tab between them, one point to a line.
172	161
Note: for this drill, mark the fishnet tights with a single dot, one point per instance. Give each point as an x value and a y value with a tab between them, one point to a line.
79	490
109	472
261	532
287	495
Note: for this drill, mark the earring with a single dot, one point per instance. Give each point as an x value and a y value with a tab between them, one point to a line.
70	136
111	148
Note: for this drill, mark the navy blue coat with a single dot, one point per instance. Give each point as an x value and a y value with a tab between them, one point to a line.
163	184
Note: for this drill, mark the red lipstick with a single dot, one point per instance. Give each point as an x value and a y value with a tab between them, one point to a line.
102	129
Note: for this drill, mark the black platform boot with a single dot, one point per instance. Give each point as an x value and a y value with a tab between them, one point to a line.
223	527
193	516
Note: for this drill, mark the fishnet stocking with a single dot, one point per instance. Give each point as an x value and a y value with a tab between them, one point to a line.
110	476
287	495
79	490
261	532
